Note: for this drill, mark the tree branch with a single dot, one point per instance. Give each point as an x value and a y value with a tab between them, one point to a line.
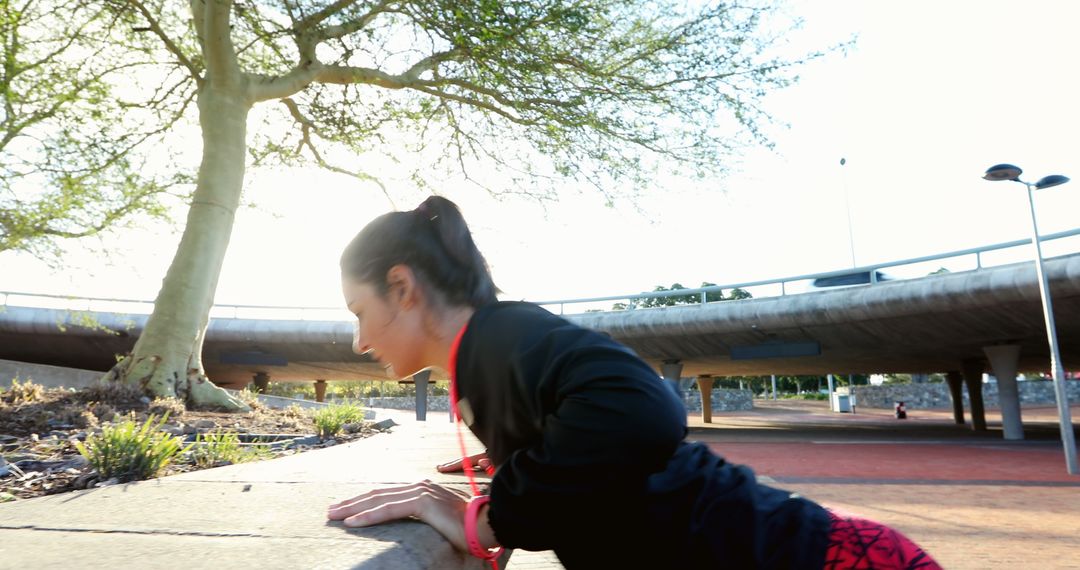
307	127
170	45
211	19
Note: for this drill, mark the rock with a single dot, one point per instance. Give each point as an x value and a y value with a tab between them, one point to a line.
108	483
4	469
85	481
60	434
173	429
35	437
145	400
77	462
353	427
205	424
189	429
384	424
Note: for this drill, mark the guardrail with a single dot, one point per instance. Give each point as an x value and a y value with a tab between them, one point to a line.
783	282
337	313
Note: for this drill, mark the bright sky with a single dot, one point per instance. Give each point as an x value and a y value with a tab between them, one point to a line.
930	96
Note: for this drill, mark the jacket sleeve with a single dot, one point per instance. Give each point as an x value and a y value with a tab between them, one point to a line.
607	422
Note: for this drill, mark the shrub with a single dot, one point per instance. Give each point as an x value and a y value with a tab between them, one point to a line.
330	420
113	392
23	393
249	396
129	452
166	407
212	449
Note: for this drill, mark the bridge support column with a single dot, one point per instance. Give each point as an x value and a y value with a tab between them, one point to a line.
1003	360
972	369
421	382
262	382
320	390
671	370
704	384
956	391
832	387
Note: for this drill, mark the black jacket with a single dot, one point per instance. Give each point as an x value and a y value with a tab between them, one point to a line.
591	462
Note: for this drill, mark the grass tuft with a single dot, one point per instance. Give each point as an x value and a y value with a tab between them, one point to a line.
330	420
129	452
213	449
23	393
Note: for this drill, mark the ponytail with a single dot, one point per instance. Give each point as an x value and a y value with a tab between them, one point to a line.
434	241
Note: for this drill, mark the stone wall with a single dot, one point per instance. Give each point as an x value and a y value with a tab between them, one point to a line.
722	400
926	396
46	375
434	403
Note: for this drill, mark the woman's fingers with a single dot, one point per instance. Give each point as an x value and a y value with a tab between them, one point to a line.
478	460
438	506
450	466
342	509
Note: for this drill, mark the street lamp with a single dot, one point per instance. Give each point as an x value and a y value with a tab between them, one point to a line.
1012	173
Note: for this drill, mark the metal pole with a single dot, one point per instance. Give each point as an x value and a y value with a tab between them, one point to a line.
831	388
847	206
774	386
1064	415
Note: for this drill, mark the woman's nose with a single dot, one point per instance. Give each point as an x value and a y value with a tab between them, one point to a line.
359	346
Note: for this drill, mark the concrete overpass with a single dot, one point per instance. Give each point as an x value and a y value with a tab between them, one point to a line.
931	324
938	323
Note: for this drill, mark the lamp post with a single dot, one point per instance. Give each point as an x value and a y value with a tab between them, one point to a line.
1012	173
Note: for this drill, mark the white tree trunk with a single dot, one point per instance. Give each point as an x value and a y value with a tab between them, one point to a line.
167	359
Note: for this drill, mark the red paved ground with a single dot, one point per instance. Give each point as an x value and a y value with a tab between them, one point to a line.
973	500
803	440
923	462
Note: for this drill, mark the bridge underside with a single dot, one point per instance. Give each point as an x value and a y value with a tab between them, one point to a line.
933	324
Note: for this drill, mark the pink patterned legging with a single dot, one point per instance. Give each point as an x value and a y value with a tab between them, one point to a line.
859	544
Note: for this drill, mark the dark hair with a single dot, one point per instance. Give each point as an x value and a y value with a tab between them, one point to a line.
434	241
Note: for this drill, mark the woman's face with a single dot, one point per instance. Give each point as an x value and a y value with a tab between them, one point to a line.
386	326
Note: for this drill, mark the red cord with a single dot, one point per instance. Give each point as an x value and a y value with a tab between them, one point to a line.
466	465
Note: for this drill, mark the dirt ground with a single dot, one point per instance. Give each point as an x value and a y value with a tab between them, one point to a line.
39	428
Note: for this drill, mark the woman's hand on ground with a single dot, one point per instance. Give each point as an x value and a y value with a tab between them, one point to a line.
479	460
438	506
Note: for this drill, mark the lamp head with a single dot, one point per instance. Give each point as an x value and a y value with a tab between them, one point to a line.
1052	180
1003	172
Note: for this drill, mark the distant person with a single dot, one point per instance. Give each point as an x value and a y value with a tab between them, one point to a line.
586	443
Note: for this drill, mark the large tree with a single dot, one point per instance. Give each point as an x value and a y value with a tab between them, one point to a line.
603	92
72	140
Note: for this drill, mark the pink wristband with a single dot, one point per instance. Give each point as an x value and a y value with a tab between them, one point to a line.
472	538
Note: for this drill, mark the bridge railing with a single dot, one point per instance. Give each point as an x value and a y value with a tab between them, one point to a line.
142	307
976	258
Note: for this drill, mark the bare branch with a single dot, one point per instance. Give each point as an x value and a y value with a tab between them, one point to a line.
356	24
307	128
320	16
170	45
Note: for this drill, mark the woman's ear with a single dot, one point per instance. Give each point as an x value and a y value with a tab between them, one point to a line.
401	286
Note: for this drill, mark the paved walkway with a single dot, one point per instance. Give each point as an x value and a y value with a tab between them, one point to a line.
973	500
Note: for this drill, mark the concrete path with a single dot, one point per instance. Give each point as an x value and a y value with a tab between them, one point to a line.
972	500
269	514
